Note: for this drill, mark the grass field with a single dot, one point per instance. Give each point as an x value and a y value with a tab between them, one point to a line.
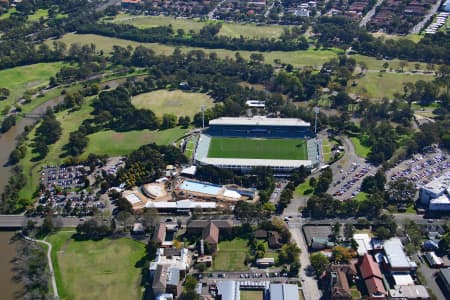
360	149
303	189
379	85
252	295
231	256
308	57
258	148
105	269
228	29
20	79
175	102
121	143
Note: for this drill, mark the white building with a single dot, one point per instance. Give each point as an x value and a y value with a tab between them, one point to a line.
441	203
435	189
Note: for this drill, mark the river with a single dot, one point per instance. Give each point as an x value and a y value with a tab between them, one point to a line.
8	140
8	287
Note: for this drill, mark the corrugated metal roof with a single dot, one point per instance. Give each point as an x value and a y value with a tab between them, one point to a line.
259	120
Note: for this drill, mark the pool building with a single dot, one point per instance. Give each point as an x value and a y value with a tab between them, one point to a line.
208	191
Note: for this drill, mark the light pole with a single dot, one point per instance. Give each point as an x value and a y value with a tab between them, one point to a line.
202	108
316	111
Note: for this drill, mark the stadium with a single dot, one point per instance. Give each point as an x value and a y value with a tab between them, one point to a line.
282	144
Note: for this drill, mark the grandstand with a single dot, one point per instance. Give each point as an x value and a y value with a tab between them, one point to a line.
246	143
259	127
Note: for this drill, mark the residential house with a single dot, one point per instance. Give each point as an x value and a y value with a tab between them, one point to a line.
373	278
338	277
159	235
210	237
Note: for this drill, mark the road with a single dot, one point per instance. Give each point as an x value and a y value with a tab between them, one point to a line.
370	14
211	13
17	221
50	264
430	276
418	28
266	14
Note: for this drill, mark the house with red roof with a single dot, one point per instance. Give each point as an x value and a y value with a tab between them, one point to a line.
373	278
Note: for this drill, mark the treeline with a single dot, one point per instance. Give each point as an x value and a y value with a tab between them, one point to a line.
48	132
145	164
344	33
207	37
31	268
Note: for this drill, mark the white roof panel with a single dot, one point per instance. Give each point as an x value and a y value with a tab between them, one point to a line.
259	120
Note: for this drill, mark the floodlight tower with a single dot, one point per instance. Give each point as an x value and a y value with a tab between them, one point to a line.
316	111
202	108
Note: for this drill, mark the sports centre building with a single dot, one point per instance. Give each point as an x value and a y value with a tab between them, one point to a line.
242	143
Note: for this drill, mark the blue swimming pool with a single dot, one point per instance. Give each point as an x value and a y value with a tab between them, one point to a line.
198	187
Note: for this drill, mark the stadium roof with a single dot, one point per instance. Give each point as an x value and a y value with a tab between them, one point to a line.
245	162
259	120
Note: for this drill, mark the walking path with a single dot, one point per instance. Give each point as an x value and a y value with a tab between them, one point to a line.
50	264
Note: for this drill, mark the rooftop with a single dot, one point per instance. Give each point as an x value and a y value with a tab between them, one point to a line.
281	291
258	120
245	162
395	254
369	268
363	241
410	292
438	185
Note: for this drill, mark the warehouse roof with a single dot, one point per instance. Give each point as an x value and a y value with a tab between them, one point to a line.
259	120
395	254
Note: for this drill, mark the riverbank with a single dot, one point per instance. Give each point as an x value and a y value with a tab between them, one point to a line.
9	288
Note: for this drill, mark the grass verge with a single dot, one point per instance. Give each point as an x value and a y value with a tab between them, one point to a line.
360	149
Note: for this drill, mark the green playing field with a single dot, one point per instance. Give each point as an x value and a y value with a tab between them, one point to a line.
294	149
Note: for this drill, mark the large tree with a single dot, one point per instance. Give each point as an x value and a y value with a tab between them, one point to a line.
401	191
319	262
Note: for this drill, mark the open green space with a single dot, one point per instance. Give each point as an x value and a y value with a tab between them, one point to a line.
380	85
228	29
175	102
20	79
377	64
105	269
40	13
361	196
303	189
360	149
231	256
310	57
121	143
8	13
258	148
252	295
412	37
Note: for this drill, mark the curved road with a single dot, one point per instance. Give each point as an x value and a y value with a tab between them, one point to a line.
50	264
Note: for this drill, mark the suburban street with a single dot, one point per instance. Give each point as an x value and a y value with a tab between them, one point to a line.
416	29
370	14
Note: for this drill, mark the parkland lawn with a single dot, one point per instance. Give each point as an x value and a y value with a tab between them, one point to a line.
227	29
105	269
360	149
231	256
20	79
294	149
310	57
175	102
379	85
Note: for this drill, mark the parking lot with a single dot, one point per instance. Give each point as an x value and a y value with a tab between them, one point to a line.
63	177
422	168
347	182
